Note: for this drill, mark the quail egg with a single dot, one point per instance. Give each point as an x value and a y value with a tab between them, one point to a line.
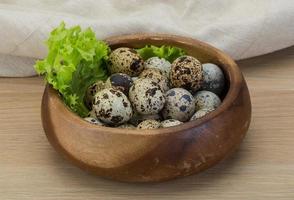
179	105
170	122
92	114
125	60
186	72
213	78
201	113
134	78
138	118
112	107
119	81
149	124
146	96
158	76
93	121
158	63
127	126
91	91
206	99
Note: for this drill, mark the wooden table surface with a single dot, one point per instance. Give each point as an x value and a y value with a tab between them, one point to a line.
263	167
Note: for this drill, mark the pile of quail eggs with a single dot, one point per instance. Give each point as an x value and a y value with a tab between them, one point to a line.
153	93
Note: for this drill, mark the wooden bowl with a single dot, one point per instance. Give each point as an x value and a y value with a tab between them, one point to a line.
159	154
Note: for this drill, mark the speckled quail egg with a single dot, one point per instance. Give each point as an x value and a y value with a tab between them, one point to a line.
213	78
201	113
134	78
146	96
138	118
158	76
186	72
170	122
91	91
158	63
125	60
92	114
119	81
93	121
206	99
179	105
149	124
127	126
112	106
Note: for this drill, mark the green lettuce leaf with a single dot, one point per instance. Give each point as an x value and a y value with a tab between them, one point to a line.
75	60
167	52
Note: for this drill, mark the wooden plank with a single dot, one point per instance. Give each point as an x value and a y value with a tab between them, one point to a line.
263	167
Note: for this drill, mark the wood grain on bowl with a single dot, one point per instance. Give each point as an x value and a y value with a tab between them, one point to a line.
160	154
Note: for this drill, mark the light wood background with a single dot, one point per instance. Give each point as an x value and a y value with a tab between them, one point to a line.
263	167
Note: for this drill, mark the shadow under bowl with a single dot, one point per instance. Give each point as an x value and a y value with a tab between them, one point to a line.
159	154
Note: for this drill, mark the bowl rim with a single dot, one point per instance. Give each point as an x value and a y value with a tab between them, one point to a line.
230	68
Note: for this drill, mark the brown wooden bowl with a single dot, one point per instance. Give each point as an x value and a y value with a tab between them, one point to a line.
159	154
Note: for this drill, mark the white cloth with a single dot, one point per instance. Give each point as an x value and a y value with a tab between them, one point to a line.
240	28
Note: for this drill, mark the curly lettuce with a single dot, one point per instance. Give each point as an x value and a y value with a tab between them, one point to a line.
167	52
75	60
